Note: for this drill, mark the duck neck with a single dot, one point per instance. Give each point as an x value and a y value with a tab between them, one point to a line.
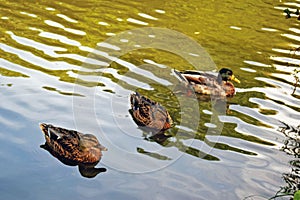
219	78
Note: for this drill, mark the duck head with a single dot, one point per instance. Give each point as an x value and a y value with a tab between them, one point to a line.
226	74
90	143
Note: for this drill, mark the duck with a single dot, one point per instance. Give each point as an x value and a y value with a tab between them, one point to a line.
208	84
72	147
149	114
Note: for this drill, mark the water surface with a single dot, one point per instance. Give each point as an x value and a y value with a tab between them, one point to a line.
59	65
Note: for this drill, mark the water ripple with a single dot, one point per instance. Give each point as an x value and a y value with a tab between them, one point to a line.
28	14
128	65
135	21
147	16
67	18
291	36
46	76
61	38
58	25
38	61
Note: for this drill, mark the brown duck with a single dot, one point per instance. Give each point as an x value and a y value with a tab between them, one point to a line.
72	147
149	114
209	84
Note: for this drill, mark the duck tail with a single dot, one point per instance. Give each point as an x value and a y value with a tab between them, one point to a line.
179	76
44	127
49	131
134	100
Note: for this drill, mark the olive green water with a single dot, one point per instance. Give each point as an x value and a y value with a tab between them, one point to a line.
74	64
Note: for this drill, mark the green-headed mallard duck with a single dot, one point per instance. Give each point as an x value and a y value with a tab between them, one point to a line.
149	114
72	147
207	83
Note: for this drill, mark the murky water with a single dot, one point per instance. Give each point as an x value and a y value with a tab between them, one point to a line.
74	64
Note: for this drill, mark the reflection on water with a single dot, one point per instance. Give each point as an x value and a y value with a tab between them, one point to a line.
292	147
75	64
87	171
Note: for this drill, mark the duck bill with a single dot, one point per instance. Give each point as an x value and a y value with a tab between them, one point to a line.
233	78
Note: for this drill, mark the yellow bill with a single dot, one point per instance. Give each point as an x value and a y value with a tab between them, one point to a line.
233	78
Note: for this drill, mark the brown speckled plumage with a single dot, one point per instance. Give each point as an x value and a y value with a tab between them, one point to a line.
149	114
71	147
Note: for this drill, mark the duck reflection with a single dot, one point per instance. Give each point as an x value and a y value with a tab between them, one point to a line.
74	148
160	137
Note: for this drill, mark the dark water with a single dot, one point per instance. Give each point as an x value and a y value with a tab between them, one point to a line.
73	64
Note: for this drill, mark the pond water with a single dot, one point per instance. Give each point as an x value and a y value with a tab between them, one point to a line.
74	64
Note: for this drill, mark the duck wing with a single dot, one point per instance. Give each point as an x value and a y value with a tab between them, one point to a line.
149	113
196	77
201	78
141	109
57	133
62	141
